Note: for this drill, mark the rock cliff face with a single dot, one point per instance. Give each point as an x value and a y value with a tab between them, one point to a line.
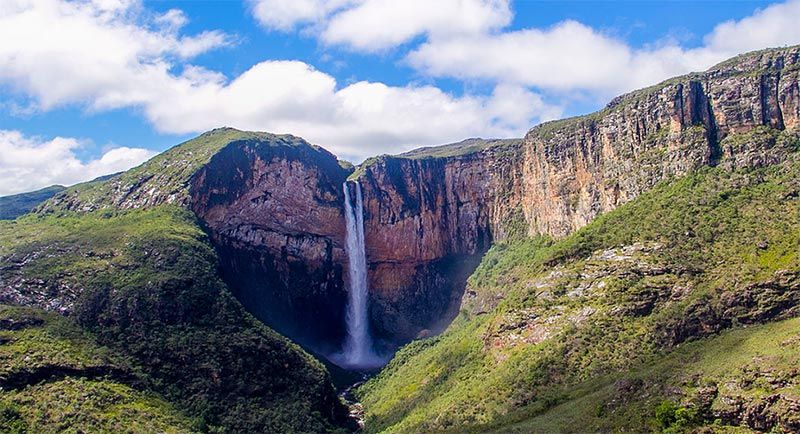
430	214
732	114
274	211
273	204
427	223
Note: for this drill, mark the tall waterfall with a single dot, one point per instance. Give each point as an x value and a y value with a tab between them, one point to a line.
358	346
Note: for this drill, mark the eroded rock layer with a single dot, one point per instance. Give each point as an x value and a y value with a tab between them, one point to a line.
732	114
274	212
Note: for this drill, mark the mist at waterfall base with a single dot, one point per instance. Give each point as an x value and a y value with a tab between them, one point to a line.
358	352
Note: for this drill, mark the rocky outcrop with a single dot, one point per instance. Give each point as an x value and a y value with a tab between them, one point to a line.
274	211
427	223
273	204
431	213
732	115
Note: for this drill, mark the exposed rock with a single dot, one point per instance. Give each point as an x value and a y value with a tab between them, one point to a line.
274	210
578	168
427	223
273	204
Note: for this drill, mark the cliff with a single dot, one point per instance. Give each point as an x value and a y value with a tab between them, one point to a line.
272	204
432	213
730	115
274	209
676	312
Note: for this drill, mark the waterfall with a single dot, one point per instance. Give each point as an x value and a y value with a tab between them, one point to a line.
358	346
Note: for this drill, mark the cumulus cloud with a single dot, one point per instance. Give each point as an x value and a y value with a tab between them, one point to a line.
573	56
29	163
465	39
286	15
374	25
141	65
359	120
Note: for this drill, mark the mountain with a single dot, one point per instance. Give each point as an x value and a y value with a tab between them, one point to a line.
671	216
592	270
139	280
16	205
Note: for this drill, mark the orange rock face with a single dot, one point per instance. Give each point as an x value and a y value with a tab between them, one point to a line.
274	213
427	223
577	168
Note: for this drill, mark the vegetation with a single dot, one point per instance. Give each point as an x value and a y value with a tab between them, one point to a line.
464	147
571	322
16	205
55	378
731	364
143	284
162	179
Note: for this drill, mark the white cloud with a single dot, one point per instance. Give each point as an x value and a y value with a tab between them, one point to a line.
572	56
132	65
61	52
463	39
286	15
359	120
29	163
374	25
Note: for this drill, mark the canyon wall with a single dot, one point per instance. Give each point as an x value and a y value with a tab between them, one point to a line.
432	213
428	221
274	212
273	204
733	115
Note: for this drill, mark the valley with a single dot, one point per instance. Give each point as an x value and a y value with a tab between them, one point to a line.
631	270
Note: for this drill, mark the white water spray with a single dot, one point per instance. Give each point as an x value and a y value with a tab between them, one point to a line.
358	346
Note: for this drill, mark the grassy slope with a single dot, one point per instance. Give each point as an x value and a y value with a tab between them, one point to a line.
163	178
148	290
737	359
91	400
464	147
570	312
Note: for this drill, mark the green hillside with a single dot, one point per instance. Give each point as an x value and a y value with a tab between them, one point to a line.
55	378
592	330
143	284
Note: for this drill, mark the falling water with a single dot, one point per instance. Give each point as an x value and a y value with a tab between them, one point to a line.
358	346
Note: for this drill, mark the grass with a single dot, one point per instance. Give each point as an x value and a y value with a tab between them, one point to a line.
143	283
163	179
37	349
77	405
721	361
569	312
464	147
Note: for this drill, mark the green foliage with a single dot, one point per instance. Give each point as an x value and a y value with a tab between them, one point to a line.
55	378
574	315
168	173
464	147
146	288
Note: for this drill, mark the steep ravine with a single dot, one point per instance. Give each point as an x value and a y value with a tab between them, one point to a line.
275	210
273	204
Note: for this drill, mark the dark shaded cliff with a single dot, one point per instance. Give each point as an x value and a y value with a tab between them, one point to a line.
273	207
273	204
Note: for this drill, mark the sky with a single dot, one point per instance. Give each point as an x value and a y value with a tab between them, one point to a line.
91	87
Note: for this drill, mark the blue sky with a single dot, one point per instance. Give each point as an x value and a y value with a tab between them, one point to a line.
94	86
